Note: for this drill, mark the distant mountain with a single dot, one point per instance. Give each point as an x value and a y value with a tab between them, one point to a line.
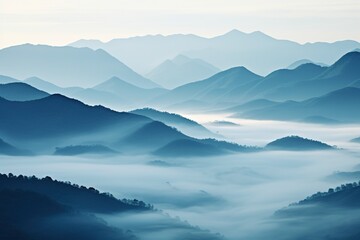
128	91
6	79
86	95
29	205
344	73
357	140
272	85
181	70
83	149
226	86
7	149
49	87
300	220
339	106
304	61
18	91
66	66
296	143
232	49
185	125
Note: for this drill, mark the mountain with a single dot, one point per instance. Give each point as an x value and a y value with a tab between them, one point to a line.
86	95
84	149
339	106
304	61
128	91
185	125
301	220
38	125
28	205
145	53
6	79
356	140
7	149
296	143
226	86
231	49
66	66
181	70
18	91
343	73
271	87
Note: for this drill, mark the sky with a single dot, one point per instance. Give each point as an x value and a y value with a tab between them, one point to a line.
59	22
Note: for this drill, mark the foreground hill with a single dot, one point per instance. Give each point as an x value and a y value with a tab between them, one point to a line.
18	91
29	205
66	66
337	210
296	143
181	70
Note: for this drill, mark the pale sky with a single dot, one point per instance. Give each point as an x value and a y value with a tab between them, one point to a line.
59	22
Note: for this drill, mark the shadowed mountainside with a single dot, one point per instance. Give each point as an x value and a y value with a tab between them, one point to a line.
17	91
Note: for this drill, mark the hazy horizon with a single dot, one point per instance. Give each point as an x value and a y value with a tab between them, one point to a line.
60	23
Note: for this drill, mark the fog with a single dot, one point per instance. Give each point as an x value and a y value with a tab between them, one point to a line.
234	195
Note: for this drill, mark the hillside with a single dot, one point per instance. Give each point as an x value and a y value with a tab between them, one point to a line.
229	85
185	125
335	107
28	205
301	220
296	143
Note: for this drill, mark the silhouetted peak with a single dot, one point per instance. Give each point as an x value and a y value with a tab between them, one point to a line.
234	33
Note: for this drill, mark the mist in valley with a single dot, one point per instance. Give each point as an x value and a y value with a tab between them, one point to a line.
234	195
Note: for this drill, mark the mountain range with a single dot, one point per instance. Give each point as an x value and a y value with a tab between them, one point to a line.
66	66
239	85
338	106
234	48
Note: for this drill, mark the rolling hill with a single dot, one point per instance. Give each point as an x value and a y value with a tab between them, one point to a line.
296	143
66	66
18	91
